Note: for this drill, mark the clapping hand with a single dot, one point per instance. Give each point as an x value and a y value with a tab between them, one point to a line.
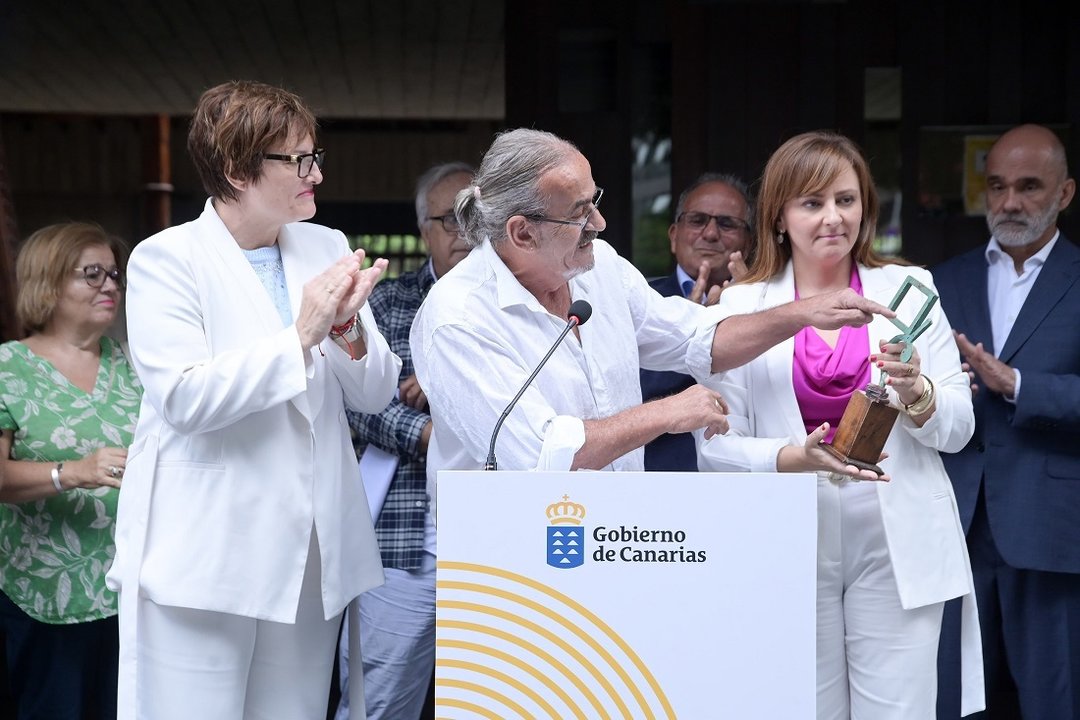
995	375
335	295
701	293
706	295
736	267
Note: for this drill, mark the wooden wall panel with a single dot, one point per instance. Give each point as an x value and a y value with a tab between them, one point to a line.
75	168
570	75
95	168
9	329
990	64
746	76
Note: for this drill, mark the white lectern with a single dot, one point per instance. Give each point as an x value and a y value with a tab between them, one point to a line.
626	595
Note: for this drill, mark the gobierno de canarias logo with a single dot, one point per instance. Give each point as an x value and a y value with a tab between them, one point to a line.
565	534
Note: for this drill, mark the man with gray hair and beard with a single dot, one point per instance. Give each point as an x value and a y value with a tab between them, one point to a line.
532	214
1015	302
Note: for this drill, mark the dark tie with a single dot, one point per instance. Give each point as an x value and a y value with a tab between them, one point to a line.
687	287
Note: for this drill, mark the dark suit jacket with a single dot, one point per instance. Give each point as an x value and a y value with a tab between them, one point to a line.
1027	455
668	452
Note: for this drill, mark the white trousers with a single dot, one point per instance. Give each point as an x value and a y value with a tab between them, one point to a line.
217	666
875	660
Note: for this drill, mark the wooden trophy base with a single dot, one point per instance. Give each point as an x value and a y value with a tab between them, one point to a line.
868	419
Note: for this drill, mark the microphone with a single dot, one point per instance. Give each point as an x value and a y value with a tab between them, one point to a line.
579	314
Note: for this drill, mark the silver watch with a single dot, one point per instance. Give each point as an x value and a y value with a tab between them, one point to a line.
353	334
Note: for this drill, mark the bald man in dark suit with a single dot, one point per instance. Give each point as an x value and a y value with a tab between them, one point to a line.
1015	305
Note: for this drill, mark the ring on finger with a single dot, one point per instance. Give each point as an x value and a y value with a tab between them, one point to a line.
115	472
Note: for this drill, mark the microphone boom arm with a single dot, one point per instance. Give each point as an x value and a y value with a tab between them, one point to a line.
490	463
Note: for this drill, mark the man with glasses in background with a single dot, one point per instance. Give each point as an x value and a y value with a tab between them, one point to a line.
709	240
397	620
531	214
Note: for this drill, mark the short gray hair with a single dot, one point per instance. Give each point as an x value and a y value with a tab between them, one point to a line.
432	177
733	181
507	182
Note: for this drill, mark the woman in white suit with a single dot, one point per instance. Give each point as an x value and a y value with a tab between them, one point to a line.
243	531
890	552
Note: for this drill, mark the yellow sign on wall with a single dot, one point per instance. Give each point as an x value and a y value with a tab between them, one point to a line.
976	148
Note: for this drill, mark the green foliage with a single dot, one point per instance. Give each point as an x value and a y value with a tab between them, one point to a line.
652	251
405	252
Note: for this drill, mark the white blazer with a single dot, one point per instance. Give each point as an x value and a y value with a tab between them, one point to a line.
918	509
242	446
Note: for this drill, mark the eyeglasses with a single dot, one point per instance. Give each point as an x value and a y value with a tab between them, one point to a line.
95	275
698	221
593	205
449	222
304	161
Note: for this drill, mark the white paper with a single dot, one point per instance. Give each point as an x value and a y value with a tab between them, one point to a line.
377	468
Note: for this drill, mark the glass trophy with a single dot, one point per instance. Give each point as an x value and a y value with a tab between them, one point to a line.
869	416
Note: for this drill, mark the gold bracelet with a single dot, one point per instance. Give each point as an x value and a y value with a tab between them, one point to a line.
925	400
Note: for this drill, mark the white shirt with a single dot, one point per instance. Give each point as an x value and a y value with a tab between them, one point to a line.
480	334
1006	291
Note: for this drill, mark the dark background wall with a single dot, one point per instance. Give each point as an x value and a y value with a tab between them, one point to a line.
725	81
747	76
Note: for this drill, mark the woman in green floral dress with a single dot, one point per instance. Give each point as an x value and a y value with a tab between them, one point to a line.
69	402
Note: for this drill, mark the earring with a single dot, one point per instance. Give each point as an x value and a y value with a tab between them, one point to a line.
780	238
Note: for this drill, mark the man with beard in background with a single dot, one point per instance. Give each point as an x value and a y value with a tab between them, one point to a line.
1015	303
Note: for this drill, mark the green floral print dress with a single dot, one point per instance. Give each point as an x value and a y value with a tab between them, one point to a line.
54	552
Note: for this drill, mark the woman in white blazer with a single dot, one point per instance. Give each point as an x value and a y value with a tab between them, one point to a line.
890	552
243	530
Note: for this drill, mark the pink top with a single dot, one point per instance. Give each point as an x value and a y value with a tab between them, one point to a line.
825	377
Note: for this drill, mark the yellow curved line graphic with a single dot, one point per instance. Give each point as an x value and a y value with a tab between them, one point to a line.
540	587
528	670
551	637
586	638
471	707
497	675
490	694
